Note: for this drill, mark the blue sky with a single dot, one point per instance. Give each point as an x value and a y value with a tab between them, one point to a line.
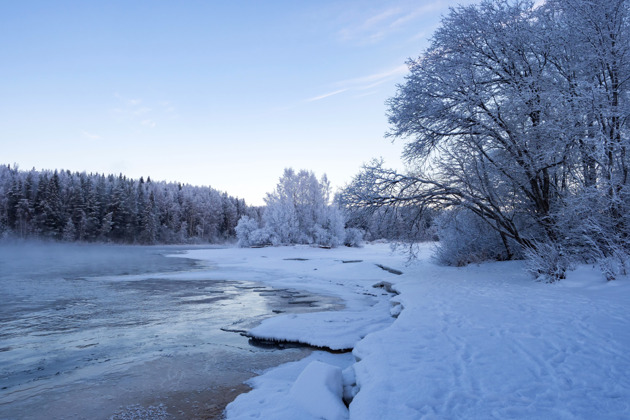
220	93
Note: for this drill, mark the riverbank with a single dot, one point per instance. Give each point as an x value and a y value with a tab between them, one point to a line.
483	341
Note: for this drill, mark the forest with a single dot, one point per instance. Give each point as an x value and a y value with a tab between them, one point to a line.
72	206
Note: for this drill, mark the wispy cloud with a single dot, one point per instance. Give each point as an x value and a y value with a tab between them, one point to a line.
363	83
148	123
362	95
139	112
127	101
370	80
90	136
326	95
142	110
167	107
372	28
379	18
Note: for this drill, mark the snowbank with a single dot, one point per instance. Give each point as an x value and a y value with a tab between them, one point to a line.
482	341
488	342
319	390
308	389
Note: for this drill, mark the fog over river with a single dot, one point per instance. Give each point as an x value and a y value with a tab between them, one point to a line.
98	332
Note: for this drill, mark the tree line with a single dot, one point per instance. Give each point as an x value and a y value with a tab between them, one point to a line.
76	206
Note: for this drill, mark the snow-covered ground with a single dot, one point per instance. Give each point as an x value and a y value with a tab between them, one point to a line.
484	341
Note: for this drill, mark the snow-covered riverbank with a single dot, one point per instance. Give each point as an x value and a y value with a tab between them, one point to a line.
482	341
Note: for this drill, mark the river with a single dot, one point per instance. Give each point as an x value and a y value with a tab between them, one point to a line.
99	332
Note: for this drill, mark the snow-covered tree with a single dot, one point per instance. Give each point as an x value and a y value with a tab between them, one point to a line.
94	207
298	211
69	231
515	113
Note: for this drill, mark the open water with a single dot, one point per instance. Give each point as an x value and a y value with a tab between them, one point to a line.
91	332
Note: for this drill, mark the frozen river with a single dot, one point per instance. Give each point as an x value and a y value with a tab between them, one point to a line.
99	332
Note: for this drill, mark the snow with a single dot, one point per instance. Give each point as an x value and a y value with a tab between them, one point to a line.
296	390
483	341
319	390
322	271
333	330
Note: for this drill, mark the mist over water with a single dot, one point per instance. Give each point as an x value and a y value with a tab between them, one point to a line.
92	331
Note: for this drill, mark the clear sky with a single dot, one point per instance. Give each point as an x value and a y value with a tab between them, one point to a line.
219	93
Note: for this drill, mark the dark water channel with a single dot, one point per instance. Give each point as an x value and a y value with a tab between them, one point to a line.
100	332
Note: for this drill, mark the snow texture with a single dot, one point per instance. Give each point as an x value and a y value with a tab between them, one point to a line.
482	341
295	390
319	390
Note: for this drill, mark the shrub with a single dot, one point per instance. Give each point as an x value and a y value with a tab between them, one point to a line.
354	238
244	229
547	261
465	238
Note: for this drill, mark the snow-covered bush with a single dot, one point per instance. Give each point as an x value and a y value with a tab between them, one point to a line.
613	266
332	232
465	238
246	225
354	238
328	236
262	237
547	261
589	230
249	234
324	237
